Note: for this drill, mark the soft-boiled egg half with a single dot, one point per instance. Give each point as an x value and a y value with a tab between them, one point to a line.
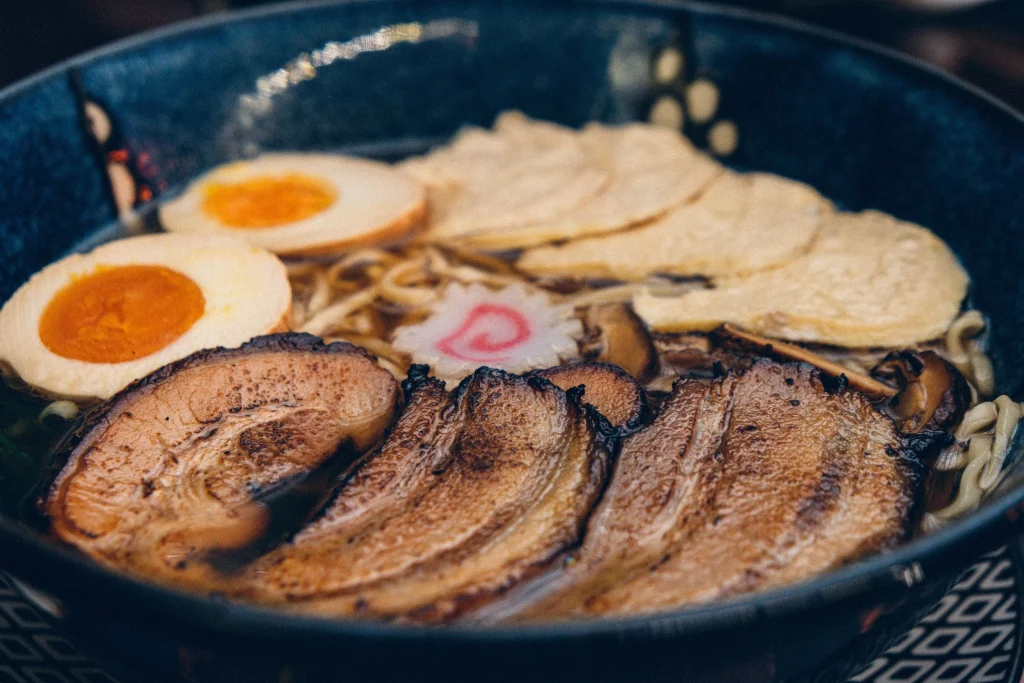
90	324
301	204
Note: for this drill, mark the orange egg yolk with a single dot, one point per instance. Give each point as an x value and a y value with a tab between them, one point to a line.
120	313
267	201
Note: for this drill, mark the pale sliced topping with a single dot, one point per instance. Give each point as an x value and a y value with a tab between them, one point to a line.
869	280
652	170
523	172
740	224
514	329
301	204
220	269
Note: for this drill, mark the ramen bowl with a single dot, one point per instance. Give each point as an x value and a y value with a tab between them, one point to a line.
93	142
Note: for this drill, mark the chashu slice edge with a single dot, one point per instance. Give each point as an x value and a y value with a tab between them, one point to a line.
755	481
168	469
471	494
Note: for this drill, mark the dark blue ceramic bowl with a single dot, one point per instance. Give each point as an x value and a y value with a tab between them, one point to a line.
867	128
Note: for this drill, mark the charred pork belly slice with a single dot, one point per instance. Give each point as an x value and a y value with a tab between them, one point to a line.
323	557
609	388
169	469
470	494
753	481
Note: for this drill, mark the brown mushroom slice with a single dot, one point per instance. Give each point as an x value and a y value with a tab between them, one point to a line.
621	339
934	395
695	354
169	469
470	494
730	336
732	349
608	388
753	481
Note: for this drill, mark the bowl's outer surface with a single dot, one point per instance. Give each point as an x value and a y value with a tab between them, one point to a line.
867	129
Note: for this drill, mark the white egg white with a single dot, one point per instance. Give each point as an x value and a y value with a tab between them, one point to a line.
376	203
246	291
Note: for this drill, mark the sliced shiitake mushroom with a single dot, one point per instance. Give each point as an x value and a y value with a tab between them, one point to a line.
731	337
695	354
933	396
620	338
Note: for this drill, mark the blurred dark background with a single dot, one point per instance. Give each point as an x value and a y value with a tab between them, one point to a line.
980	40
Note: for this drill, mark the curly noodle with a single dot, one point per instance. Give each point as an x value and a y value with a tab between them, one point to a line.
348	299
965	350
982	442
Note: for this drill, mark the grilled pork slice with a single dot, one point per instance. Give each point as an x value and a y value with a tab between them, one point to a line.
169	469
608	388
750	482
470	494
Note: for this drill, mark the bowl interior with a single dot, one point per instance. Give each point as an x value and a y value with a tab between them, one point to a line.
386	78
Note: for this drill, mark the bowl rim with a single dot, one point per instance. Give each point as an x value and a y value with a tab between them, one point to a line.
43	562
